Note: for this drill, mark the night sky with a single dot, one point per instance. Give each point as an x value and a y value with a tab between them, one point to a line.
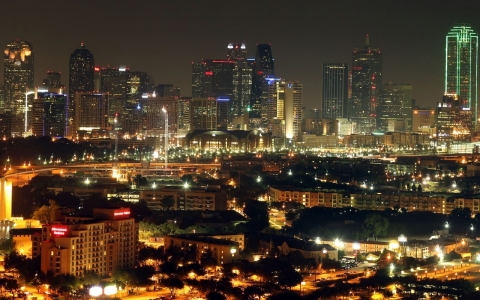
164	37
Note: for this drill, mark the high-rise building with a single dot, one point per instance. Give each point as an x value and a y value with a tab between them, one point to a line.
109	236
18	67
423	120
242	79
395	105
91	112
183	113
212	78
81	75
453	121
203	114
137	85
49	114
114	82
285	108
366	87
461	66
53	81
335	91
18	78
263	69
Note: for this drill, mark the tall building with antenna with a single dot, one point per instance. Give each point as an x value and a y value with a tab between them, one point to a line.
366	86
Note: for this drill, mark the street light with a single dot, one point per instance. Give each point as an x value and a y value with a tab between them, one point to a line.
356	247
403	239
447	225
26	112
166	136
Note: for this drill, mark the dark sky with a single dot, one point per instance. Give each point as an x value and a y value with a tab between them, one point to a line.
164	37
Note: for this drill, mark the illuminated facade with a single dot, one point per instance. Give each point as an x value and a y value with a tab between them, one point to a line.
395	104
81	75
103	243
423	120
335	91
366	87
461	66
18	66
53	81
263	69
91	111
242	79
114	82
49	114
137	86
203	113
453	121
5	199
18	69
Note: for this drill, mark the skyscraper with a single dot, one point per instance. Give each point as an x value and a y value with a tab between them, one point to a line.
242	79
263	69
49	114
461	66
114	82
81	75
366	86
335	91
53	81
395	105
18	79
18	71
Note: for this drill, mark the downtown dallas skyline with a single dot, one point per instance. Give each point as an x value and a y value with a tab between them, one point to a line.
163	38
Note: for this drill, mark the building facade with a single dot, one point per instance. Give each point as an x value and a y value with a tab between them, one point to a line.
335	91
366	87
263	69
461	66
103	243
91	111
395	104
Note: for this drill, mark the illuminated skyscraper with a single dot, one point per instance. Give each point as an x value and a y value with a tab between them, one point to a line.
18	71
53	81
395	104
18	79
242	79
81	74
461	66
114	82
263	69
335	91
366	87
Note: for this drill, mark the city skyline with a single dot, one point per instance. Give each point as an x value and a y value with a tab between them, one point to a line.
164	43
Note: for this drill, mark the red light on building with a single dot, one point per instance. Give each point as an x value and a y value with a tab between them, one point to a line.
121	213
209	73
97	69
59	230
260	72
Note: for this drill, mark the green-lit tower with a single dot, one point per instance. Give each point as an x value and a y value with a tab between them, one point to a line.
461	66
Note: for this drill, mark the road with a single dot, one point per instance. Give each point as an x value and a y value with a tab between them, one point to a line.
277	218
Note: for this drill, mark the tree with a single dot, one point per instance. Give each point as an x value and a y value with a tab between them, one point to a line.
375	225
46	214
7	246
215	296
167	202
253	292
173	284
330	264
289	278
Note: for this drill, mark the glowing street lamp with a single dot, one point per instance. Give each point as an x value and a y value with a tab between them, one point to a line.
447	225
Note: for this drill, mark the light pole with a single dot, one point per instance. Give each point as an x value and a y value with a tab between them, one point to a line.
166	136
26	112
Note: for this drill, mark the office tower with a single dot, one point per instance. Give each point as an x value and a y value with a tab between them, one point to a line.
242	79
335	91
285	108
114	82
154	115
137	85
109	236
453	121
91	112
366	86
461	66
80	77
49	114
97	79
223	104
18	78
236	52
197	79
395	105
183	113
423	120
167	90
212	78
263	69
203	114
132	119
18	67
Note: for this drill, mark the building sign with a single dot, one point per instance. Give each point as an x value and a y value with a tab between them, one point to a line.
121	213
59	230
